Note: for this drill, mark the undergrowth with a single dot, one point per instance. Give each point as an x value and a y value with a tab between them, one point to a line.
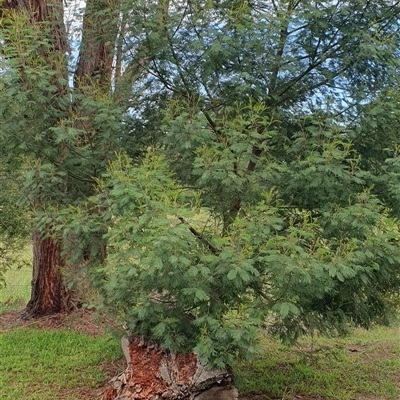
46	365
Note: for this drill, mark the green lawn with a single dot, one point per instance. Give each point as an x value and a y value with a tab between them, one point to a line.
48	365
39	364
364	365
16	293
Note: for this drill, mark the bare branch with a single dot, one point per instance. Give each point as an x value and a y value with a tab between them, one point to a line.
200	237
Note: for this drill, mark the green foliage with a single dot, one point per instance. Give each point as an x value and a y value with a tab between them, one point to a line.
65	135
253	196
257	204
161	277
284	53
377	141
178	276
61	138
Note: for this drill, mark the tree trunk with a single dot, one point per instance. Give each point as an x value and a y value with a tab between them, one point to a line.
153	374
48	11
49	294
96	53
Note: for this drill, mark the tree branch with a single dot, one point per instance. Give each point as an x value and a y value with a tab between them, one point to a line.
200	237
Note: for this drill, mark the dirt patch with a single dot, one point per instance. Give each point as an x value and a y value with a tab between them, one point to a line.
82	320
369	397
260	396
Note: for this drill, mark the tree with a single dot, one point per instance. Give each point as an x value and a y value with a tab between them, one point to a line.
258	204
377	141
67	146
48	291
246	194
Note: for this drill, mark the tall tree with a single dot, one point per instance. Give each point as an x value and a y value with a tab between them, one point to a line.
48	291
66	147
270	210
249	195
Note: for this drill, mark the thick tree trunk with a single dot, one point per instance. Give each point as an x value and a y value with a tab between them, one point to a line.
48	11
99	36
49	294
153	374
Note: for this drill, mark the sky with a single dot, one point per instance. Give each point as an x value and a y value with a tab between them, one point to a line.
73	15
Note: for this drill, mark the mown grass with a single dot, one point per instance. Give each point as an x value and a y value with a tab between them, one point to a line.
363	365
40	365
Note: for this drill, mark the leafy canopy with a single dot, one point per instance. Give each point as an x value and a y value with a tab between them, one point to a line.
258	205
245	190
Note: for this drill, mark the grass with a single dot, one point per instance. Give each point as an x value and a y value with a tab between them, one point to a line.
39	365
16	293
363	365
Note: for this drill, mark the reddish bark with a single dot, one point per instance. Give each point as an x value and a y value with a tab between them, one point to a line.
42	11
49	294
98	44
155	374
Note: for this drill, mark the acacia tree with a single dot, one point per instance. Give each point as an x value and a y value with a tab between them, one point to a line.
259	204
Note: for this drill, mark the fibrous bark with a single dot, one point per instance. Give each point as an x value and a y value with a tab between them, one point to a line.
42	11
94	71
49	294
98	44
153	374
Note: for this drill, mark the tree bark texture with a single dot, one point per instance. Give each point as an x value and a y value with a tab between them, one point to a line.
49	294
97	50
44	11
94	70
153	374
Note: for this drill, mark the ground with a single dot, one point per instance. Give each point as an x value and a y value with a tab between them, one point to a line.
82	321
371	350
